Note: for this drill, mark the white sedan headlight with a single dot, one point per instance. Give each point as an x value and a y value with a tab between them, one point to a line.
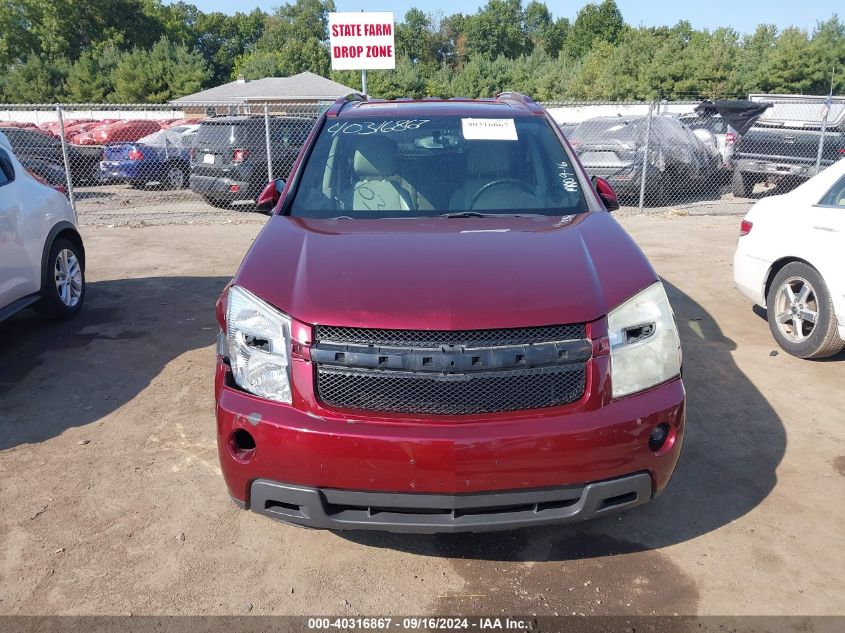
645	349
258	338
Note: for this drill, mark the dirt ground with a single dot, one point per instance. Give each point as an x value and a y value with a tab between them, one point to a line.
112	502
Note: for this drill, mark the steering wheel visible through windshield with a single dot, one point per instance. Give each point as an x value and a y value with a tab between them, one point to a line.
434	165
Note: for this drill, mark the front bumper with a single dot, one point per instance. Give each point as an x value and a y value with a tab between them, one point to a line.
306	455
432	513
221	187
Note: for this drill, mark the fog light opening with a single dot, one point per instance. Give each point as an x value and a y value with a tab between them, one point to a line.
242	445
658	436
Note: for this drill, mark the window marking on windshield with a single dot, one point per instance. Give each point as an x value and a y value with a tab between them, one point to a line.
366	128
369	196
567	177
489	130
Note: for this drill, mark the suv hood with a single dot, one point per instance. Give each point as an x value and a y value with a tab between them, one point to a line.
445	274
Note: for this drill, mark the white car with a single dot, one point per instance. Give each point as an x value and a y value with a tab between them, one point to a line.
790	258
42	258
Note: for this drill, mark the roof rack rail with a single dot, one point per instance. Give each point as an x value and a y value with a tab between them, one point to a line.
518	97
340	102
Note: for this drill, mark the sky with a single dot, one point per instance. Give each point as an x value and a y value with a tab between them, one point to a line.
742	15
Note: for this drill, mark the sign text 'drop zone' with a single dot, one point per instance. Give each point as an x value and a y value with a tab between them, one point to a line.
359	41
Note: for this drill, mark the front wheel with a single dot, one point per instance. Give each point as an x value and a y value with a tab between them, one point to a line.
62	281
741	184
801	315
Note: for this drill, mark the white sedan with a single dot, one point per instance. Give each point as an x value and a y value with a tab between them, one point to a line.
790	258
42	259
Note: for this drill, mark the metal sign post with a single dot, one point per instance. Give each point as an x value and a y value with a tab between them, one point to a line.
362	41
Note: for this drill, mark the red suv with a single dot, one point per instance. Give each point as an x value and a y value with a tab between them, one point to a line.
441	328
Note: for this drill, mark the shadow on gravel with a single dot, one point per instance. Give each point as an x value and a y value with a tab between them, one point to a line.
89	366
734	442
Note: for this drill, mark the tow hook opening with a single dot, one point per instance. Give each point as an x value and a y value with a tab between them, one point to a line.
242	445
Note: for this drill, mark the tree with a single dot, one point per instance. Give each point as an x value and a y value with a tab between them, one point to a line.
293	41
413	37
542	30
166	71
224	38
497	29
90	77
788	68
594	23
827	50
35	81
63	29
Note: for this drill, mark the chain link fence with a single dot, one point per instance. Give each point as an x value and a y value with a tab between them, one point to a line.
207	162
147	164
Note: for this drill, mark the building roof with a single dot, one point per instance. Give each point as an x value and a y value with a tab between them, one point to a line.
302	87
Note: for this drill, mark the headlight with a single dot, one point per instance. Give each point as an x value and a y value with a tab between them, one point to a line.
644	346
258	338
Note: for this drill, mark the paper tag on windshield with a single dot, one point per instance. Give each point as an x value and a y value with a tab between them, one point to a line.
488	129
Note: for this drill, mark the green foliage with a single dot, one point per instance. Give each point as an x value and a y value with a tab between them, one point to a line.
35	81
164	72
152	51
293	41
90	77
594	23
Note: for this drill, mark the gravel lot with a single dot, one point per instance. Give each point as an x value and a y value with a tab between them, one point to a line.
111	500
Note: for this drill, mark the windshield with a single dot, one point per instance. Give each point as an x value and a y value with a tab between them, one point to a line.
433	165
618	129
218	135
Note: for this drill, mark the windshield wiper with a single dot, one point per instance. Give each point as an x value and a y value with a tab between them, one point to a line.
478	214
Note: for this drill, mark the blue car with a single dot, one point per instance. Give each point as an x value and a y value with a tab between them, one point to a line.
162	158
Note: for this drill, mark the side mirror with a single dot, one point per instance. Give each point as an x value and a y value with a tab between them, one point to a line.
606	193
269	197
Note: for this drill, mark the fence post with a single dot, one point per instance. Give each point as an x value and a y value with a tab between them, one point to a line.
68	175
821	138
645	155
267	142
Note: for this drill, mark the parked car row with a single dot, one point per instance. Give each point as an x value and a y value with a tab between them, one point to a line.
83	131
775	139
223	159
678	161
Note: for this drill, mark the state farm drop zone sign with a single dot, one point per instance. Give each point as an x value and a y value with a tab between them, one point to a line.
362	41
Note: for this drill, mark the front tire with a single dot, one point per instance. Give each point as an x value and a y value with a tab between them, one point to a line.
801	315
62	281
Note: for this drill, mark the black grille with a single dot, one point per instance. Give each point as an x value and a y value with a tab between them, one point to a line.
436	338
450	394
